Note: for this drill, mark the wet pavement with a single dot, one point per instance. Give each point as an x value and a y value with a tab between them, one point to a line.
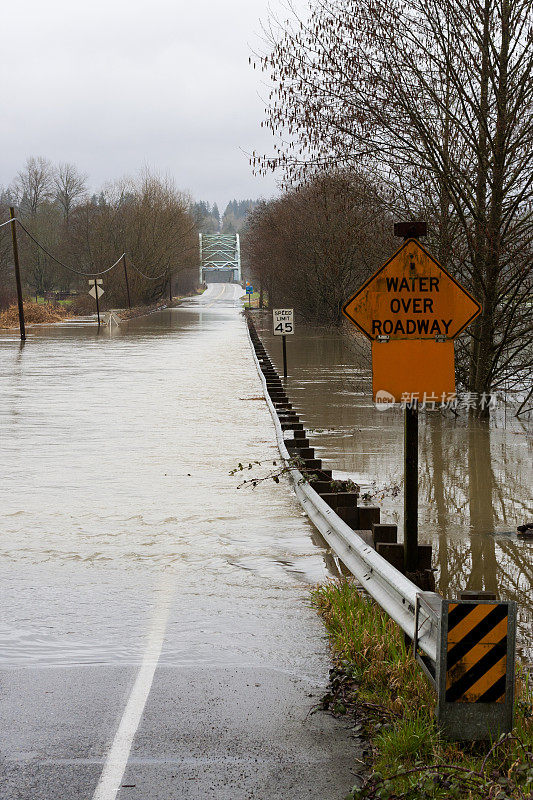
155	635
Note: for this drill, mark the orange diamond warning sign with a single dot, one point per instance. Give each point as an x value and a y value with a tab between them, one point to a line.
411	297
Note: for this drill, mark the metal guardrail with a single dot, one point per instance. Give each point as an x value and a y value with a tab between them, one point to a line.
393	591
466	647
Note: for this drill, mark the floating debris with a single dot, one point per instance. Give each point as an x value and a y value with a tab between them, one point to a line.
525	531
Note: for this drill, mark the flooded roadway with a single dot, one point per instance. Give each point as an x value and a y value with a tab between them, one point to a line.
154	635
475	481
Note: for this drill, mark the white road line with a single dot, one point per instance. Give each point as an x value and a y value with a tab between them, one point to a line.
117	758
217	297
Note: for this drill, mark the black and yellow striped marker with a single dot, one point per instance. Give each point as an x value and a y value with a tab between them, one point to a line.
476	665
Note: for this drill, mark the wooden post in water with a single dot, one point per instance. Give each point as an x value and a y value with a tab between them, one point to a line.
22	324
126	279
97	301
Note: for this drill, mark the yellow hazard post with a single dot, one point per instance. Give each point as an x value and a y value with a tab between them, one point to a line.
475	669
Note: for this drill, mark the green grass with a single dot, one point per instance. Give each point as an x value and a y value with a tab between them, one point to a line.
413	739
254	299
41	301
377	679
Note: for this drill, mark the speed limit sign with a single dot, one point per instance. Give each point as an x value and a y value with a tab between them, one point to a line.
283	321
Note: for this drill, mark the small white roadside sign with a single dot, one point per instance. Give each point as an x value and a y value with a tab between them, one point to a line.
95	289
283	321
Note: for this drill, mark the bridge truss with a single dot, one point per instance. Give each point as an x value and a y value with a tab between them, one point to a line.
220	257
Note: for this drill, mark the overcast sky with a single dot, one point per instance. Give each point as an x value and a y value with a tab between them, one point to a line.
111	85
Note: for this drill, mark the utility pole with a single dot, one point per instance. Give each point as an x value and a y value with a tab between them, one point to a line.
126	278
22	325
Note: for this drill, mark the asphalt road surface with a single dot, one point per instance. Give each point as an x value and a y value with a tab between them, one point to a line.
156	640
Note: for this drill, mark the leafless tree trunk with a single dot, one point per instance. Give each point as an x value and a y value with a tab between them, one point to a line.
34	185
70	188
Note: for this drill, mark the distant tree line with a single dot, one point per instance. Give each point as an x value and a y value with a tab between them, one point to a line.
206	217
432	101
236	214
316	244
147	217
233	219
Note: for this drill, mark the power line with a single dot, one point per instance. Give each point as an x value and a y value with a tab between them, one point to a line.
66	266
77	271
148	277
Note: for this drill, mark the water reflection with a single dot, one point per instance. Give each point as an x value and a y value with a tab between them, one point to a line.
116	453
475	478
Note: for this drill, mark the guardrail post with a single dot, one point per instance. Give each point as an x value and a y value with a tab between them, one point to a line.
476	669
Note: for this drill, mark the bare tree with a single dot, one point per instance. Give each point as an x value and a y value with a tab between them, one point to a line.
435	97
316	244
147	218
70	188
34	185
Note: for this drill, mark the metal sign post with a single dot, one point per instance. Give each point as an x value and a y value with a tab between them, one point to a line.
283	324
249	292
410	502
97	302
410	464
96	291
411	309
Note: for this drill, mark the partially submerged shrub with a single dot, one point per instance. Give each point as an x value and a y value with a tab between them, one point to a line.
34	314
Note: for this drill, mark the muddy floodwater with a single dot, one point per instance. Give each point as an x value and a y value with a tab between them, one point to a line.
115	462
476	480
156	639
116	453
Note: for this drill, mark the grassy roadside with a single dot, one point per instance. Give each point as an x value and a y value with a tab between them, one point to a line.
376	679
251	300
